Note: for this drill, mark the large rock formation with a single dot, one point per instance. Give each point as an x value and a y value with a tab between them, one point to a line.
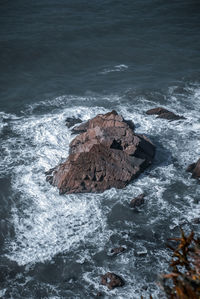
107	153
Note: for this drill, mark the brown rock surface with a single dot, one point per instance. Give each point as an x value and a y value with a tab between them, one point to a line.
194	168
111	280
164	113
108	154
110	119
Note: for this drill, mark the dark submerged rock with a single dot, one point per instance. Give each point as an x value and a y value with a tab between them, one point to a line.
164	113
49	172
111	280
106	154
191	167
196	220
194	168
117	250
137	201
156	111
99	294
72	121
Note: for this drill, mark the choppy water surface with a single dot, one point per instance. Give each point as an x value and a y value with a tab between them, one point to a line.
61	244
80	59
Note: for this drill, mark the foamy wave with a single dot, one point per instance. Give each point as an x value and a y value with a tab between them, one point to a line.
116	68
5	118
47	224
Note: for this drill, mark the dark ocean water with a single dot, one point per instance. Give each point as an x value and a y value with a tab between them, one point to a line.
79	58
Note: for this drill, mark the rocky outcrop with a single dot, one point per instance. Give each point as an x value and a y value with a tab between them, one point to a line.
111	119
194	168
164	113
111	280
137	201
107	153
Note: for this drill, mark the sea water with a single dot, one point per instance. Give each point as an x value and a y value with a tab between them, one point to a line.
64	59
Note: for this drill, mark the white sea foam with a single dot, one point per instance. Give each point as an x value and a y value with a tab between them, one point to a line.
116	68
47	224
5	118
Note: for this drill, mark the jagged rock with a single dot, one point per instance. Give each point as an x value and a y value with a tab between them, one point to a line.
72	121
107	154
96	170
111	280
137	201
117	250
194	168
110	119
164	113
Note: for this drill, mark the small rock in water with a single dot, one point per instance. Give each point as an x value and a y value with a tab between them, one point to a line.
118	250
111	280
99	294
196	220
164	113
137	201
71	121
194	168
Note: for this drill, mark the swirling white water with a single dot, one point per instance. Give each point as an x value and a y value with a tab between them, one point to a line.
47	224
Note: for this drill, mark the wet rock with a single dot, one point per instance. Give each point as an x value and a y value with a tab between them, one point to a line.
99	294
110	119
137	201
49	178
194	168
95	171
71	121
164	113
111	280
130	123
191	167
49	172
107	154
156	111
117	250
196	220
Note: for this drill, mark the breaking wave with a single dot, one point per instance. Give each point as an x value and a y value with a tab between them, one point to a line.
116	68
47	224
